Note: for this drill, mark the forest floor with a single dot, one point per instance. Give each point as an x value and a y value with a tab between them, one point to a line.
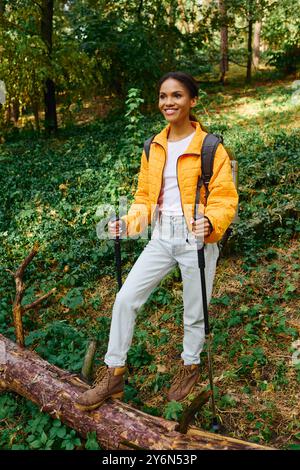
254	314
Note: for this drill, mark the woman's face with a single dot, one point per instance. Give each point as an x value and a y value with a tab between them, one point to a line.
175	101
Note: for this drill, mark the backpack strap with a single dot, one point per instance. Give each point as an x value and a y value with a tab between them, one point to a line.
147	145
208	150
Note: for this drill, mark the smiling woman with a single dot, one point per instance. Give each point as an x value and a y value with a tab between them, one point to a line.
175	103
168	183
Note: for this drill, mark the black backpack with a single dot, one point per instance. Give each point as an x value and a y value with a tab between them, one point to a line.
208	151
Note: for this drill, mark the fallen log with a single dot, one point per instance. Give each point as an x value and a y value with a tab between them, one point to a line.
117	425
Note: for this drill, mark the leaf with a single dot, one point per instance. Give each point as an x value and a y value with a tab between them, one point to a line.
36	444
173	410
61	432
294	447
91	443
73	299
69	445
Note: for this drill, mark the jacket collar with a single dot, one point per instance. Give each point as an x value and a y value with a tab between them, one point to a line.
195	144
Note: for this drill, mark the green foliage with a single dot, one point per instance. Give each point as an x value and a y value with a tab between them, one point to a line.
249	361
267	204
91	442
227	401
293	447
136	51
282	36
159	381
173	410
35	430
113	46
73	299
160	296
8	406
43	432
25	63
150	410
138	355
287	59
133	135
131	395
60	344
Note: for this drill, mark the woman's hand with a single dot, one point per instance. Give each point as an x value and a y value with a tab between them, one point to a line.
201	227
117	228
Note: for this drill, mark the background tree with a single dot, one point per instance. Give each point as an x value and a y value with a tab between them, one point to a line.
56	54
281	34
47	7
224	40
28	70
256	43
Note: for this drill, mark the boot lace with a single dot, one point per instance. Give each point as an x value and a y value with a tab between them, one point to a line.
101	372
179	377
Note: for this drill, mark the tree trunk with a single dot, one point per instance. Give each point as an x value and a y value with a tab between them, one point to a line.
16	110
2	6
249	58
224	41
7	114
139	10
117	425
47	7
256	43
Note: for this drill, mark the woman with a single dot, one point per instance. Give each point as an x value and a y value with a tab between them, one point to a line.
166	195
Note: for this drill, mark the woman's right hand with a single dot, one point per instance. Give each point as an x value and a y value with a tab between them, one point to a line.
117	228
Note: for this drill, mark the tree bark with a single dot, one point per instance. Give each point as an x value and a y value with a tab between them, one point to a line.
250	33
117	425
224	41
16	110
88	362
47	7
256	43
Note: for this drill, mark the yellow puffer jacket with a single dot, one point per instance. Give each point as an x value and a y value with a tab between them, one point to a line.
222	200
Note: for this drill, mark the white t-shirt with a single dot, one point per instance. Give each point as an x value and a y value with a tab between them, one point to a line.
169	197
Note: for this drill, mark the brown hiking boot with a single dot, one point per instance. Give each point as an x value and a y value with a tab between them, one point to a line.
109	383
184	382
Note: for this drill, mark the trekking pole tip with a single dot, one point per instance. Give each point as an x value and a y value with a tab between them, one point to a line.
215	426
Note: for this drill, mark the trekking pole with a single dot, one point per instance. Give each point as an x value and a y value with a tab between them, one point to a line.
118	253
201	263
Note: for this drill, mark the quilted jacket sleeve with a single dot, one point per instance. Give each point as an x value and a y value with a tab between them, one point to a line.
139	214
222	201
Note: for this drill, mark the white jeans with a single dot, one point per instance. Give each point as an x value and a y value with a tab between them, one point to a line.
168	246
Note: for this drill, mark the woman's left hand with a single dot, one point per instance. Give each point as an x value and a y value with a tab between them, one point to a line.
201	227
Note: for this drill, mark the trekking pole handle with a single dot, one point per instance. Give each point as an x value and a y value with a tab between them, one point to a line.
123	225
200	245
